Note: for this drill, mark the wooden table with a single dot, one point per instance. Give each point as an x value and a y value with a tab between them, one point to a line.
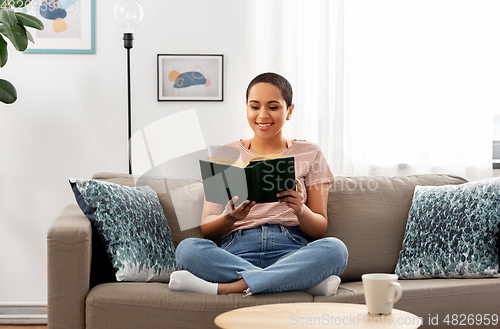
314	315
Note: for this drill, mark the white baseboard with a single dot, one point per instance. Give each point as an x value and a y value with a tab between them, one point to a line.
23	313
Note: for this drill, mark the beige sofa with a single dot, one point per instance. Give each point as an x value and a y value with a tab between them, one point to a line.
367	213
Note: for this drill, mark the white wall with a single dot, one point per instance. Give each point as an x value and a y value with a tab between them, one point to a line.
71	118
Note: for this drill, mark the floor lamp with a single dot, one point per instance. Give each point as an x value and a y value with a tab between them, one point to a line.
128	14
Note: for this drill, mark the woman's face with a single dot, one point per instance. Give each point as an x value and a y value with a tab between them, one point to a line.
266	110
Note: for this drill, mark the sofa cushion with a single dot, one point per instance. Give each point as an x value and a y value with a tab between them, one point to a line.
132	226
369	214
452	231
181	200
154	305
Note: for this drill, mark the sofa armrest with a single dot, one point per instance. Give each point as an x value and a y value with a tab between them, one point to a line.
69	249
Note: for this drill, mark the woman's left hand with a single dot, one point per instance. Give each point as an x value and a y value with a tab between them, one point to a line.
293	198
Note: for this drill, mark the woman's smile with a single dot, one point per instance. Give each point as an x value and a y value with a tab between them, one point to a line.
264	126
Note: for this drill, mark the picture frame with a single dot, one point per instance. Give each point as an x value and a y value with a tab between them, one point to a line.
190	77
69	26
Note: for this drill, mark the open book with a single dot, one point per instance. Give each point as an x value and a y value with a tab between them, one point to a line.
259	180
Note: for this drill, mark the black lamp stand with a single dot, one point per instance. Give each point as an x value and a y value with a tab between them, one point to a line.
128	43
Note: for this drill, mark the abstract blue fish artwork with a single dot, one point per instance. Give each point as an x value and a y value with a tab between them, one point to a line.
53	13
56	10
188	79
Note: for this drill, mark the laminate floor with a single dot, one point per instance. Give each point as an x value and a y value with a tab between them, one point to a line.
23	326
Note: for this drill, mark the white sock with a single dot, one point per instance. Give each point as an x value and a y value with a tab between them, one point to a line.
185	281
327	287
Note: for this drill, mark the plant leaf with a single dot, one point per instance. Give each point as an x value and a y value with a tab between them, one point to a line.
29	21
8	93
8	17
16	35
30	37
4	55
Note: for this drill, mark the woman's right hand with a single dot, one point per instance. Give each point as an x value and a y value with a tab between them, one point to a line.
215	224
240	212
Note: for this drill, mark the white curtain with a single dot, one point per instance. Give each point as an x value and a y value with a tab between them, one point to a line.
386	87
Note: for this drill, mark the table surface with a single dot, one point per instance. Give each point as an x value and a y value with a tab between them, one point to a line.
314	315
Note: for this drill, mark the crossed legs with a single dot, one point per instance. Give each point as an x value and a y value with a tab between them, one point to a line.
209	269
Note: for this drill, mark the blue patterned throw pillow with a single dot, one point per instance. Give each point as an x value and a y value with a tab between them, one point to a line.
452	232
132	226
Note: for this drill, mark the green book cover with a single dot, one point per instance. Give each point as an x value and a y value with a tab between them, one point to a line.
259	180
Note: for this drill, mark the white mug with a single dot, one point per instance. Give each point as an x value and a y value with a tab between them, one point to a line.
381	292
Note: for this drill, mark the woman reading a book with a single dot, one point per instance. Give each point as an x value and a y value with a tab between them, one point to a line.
267	247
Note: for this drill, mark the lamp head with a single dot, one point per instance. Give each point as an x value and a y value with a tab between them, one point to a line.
128	14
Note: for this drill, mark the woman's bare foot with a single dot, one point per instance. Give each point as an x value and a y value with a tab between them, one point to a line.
232	288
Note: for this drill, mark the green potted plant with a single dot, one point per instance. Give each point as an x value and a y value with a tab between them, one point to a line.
13	27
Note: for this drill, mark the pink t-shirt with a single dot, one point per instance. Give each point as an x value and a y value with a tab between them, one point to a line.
311	168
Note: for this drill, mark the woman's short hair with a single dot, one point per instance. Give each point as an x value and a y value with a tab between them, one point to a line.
277	80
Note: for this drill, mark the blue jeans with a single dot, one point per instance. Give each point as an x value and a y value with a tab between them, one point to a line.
270	258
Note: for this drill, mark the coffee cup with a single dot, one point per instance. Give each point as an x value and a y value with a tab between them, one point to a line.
381	292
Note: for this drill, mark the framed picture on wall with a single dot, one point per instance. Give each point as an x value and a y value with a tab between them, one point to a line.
190	77
69	26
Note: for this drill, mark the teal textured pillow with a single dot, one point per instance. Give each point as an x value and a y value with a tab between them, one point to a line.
452	232
132	226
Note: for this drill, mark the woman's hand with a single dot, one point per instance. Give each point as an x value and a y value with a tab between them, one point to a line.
293	198
313	215
239	212
215	224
